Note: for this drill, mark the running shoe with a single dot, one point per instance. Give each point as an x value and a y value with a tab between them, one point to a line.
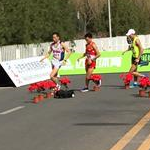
85	90
57	87
134	85
100	83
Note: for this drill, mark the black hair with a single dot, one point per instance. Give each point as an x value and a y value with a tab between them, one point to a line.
89	35
129	41
56	33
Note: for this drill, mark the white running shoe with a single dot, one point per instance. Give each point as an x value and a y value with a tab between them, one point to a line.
85	90
58	87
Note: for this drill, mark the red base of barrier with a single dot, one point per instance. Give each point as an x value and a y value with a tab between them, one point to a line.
142	93
96	88
127	87
35	100
48	95
41	97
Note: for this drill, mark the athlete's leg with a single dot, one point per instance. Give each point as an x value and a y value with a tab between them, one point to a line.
133	70
53	75
137	74
89	72
55	68
135	77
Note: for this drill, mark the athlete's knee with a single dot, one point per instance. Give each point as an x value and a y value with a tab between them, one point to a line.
135	73
88	77
51	76
131	71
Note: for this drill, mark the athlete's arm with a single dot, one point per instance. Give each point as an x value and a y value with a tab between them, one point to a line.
66	50
82	56
125	51
98	54
129	49
139	45
47	55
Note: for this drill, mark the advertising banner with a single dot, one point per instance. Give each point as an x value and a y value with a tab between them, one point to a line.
27	71
109	62
31	70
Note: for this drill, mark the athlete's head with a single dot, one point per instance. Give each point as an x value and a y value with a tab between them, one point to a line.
131	33
88	37
56	36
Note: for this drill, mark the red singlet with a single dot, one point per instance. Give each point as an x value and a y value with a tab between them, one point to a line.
90	54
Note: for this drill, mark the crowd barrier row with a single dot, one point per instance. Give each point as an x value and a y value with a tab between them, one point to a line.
14	52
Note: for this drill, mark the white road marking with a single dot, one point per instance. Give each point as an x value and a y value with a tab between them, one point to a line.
12	110
5	88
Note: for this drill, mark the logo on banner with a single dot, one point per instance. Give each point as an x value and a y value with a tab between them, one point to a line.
68	66
102	63
109	62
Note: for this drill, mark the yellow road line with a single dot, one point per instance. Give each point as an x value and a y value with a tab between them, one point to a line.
145	145
131	133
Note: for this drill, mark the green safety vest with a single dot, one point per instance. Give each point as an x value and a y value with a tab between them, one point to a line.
135	48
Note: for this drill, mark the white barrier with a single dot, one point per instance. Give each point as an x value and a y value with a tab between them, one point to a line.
104	44
27	71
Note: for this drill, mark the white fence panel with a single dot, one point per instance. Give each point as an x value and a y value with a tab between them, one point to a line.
104	44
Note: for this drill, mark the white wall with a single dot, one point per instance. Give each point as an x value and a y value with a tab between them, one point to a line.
113	44
104	44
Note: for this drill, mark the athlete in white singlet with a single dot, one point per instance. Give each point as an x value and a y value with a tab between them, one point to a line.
58	49
58	54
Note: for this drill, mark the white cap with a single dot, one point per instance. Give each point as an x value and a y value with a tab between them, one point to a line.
130	32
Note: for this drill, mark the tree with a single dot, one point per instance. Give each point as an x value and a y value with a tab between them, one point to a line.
89	11
125	15
34	21
11	22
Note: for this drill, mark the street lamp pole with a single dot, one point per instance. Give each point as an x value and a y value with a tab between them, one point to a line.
78	17
109	14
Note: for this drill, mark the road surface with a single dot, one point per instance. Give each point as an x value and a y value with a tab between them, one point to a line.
111	119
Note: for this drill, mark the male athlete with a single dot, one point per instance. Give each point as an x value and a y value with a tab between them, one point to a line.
137	51
91	54
58	49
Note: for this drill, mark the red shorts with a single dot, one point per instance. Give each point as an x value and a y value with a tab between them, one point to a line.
92	65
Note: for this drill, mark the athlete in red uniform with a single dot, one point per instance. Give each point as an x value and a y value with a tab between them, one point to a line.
91	54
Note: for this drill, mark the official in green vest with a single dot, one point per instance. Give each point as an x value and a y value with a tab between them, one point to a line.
137	51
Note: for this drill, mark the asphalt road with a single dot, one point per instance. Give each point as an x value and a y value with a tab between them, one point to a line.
90	121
